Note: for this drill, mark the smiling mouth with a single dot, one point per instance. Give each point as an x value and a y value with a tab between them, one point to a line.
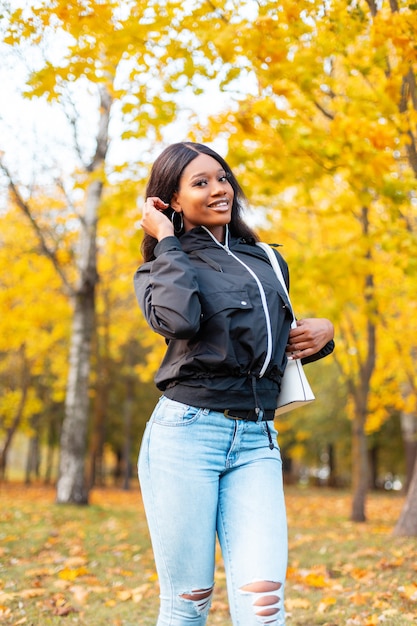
221	205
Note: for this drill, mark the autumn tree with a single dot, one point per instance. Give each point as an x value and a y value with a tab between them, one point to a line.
28	335
321	133
119	56
325	144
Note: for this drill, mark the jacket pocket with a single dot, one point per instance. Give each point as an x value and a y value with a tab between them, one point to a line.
215	302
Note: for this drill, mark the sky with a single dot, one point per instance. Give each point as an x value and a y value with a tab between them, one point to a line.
35	137
36	140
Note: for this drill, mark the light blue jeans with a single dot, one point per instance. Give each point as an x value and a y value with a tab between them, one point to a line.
201	474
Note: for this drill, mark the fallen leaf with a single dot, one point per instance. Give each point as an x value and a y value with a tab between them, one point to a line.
39	572
360	599
124	595
4	611
80	594
71	574
325	603
75	561
30	593
297	603
409	592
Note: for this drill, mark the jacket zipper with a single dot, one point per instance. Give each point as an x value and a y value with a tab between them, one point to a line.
262	294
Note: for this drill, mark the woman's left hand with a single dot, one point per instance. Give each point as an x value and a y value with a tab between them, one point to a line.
309	337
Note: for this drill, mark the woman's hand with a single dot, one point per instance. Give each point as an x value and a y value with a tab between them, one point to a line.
153	221
309	337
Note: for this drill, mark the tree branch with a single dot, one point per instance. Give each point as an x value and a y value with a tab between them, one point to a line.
46	250
103	134
330	116
373	7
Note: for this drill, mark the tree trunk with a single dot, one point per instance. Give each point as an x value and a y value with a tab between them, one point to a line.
72	486
332	482
360	393
373	454
33	459
127	427
407	523
96	472
360	469
102	387
52	439
409	433
10	433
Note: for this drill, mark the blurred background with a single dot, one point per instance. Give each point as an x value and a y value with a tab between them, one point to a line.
314	105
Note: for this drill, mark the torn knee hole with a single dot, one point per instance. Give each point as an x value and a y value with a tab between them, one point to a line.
199	594
200	599
268	604
262	586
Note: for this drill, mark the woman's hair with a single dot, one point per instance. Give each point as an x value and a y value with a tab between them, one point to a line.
164	182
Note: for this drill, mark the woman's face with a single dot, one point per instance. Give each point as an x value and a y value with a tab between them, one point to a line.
205	196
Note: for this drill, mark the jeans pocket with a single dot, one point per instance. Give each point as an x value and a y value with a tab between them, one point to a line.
172	413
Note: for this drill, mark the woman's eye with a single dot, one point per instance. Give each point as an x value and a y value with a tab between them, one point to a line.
204	181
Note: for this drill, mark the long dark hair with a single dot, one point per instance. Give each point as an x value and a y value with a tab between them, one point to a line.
164	182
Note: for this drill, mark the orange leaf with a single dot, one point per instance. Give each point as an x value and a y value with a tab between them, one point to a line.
409	592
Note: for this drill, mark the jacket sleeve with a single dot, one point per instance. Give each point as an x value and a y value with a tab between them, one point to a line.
325	351
167	291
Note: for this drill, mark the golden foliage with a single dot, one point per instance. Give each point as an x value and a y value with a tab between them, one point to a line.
320	134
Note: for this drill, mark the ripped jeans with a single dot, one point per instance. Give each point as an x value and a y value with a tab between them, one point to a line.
202	474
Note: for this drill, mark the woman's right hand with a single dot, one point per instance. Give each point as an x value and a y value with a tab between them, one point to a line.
154	222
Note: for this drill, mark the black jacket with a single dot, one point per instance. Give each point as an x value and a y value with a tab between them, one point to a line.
225	317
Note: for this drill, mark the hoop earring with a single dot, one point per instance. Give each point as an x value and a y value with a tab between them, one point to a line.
177	230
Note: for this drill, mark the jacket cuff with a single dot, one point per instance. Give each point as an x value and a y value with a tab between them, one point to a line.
167	244
325	351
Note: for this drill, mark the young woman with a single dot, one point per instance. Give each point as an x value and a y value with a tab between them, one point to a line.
209	463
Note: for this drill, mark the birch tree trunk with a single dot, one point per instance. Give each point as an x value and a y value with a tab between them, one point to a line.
72	486
407	523
409	432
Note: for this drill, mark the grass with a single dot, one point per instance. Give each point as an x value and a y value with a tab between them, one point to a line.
93	565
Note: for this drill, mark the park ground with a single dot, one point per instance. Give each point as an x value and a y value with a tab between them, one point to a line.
93	565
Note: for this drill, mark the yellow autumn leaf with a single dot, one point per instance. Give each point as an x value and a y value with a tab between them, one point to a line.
325	603
72	573
409	592
316	580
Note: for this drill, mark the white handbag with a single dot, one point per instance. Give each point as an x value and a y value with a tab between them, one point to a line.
295	388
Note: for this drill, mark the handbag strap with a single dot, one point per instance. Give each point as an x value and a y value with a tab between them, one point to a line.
278	271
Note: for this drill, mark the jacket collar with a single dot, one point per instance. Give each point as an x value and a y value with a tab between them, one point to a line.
198	238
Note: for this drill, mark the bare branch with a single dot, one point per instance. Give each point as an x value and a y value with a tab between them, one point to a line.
218	11
330	116
70	113
46	250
